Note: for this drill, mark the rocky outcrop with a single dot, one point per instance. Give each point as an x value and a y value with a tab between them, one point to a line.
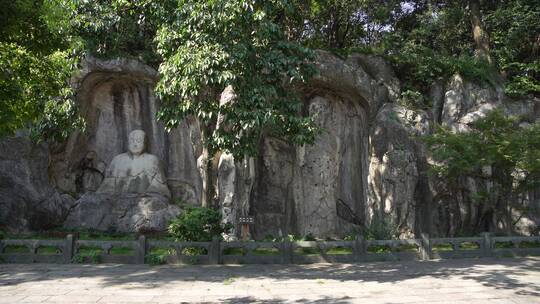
116	97
455	210
368	162
27	200
321	189
397	181
125	212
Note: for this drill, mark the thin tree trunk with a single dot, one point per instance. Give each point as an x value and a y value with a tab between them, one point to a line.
480	36
206	168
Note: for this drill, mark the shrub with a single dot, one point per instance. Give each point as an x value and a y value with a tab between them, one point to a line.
380	228
155	259
413	100
197	224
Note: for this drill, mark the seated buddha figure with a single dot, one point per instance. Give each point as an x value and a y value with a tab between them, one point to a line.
135	171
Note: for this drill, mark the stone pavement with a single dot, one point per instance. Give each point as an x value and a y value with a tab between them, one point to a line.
470	281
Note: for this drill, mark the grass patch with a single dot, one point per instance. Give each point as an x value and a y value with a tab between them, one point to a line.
105	236
163	251
265	251
49	250
307	251
504	245
194	251
228	281
16	249
406	248
88	254
508	254
234	251
339	250
122	251
158	256
469	246
442	247
82	235
32	236
529	244
87	250
379	249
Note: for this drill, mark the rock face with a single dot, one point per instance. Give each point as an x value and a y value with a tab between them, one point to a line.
116	97
454	210
125	212
369	161
397	181
27	200
322	189
299	188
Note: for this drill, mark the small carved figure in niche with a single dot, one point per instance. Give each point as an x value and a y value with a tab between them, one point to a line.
135	171
90	173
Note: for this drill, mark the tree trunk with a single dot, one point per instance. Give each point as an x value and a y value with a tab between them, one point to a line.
206	165
480	36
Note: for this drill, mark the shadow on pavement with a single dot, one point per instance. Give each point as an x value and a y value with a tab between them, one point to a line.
505	273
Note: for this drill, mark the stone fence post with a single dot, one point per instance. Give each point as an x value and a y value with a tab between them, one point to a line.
359	248
69	245
286	252
214	251
425	249
486	244
140	250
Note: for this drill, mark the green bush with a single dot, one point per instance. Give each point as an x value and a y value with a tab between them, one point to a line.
198	224
380	228
412	99
155	259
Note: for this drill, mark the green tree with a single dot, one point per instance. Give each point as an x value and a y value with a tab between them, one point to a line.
510	153
36	61
209	45
117	28
514	27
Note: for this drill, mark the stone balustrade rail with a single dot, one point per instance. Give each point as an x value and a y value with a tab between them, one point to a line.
141	250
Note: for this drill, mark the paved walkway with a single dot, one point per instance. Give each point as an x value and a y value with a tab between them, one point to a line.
469	281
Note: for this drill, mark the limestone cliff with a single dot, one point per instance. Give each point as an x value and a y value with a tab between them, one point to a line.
369	160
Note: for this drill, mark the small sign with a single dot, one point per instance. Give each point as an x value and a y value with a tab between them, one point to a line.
246	220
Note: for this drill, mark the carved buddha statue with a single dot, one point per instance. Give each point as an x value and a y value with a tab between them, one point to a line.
135	171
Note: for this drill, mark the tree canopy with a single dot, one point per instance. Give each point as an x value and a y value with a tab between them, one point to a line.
496	149
262	49
36	62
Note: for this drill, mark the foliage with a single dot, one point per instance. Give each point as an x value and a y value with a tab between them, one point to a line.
113	28
87	255
514	28
197	224
496	141
35	65
380	228
412	99
155	259
497	149
210	45
433	42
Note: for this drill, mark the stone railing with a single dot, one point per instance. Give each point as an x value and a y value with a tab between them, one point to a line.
141	250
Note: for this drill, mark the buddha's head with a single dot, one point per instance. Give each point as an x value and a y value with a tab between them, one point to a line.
136	142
